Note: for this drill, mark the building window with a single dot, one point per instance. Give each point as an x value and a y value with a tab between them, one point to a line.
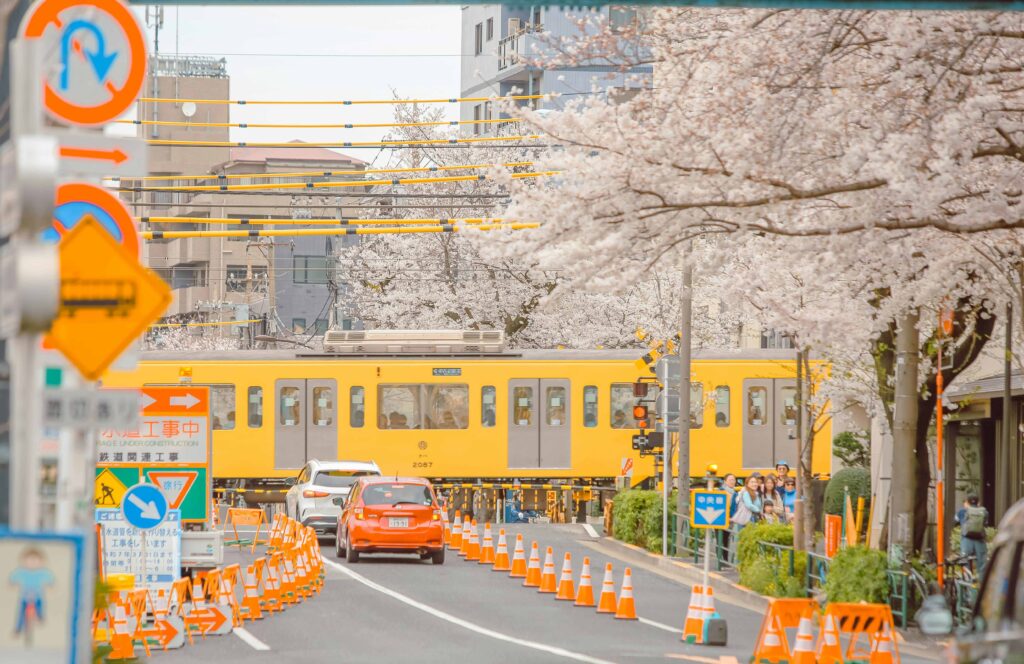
356	407
311	270
488	405
222	406
590	406
773	339
479	39
490	29
255	407
236	278
189	275
477	116
321	327
722	406
299	325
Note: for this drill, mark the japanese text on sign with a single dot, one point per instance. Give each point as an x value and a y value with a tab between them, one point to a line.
161	439
709	509
122	548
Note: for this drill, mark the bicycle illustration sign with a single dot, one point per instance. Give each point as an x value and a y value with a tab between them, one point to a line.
39	574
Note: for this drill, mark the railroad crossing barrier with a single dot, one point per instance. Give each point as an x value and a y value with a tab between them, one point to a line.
213	602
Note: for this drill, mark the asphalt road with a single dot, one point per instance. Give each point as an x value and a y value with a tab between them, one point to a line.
399	609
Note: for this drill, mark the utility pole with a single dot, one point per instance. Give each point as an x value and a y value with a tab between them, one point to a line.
798	505
1006	457
905	407
685	349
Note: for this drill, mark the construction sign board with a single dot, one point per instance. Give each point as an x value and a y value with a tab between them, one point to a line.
123	548
170	448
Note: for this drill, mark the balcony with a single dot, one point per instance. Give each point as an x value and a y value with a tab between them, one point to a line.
516	46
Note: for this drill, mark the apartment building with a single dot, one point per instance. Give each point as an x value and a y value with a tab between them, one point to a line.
283	282
497	38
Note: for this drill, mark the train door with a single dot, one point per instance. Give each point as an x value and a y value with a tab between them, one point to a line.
769	422
306	425
539	423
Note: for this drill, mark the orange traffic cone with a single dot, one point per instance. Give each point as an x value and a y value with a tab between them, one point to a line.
467	525
606	603
829	649
533	569
803	650
881	647
548	584
121	643
473	550
566	589
456	538
693	629
627	608
501	562
487	550
771	649
518	570
585	594
447	539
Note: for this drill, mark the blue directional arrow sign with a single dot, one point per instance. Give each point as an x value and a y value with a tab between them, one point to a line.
100	59
709	509
144	506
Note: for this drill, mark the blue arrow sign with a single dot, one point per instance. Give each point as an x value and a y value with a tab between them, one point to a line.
100	60
144	506
709	509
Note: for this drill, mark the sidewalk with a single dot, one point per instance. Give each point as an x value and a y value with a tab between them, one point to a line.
728	590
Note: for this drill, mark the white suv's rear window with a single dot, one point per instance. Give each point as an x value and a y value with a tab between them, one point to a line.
339	478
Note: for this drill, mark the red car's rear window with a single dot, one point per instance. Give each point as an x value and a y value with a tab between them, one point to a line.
397	492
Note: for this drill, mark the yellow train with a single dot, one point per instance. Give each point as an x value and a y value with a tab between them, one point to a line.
534	415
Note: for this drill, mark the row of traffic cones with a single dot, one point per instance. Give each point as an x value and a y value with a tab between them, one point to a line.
829	650
465	540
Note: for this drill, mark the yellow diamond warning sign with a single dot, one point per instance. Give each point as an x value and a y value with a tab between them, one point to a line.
109	489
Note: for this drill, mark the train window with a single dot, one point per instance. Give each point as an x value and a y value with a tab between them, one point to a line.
291	406
399	406
447	406
523	408
757	405
590	406
222	406
488	405
696	405
722	406
622	406
787	415
323	406
356	406
555	411
255	407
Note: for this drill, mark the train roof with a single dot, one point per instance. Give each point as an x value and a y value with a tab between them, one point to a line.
184	356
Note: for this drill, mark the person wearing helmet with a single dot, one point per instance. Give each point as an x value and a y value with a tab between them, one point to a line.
782	471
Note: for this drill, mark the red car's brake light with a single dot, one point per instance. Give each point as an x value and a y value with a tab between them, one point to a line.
309	493
358	512
437	515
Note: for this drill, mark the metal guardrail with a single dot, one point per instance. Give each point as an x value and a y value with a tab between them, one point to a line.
693	538
899	595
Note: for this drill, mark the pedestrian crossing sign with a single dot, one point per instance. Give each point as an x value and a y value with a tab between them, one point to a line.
110	489
709	509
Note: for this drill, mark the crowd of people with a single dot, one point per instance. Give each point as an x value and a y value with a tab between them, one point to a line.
762	498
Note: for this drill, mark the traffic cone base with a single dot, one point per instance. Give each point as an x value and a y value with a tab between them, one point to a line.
693	628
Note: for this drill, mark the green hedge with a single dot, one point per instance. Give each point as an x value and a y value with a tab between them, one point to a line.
637	518
766	570
858	574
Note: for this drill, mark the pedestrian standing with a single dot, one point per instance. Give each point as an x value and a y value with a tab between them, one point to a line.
749	506
972	519
770	492
782	470
789	497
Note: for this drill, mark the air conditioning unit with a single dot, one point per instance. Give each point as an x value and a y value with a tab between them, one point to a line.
414	342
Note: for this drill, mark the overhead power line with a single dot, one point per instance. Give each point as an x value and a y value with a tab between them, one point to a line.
309	174
324	232
347	144
346	125
333	184
319	206
340	102
337	221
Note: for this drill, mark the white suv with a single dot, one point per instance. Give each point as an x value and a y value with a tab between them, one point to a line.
310	499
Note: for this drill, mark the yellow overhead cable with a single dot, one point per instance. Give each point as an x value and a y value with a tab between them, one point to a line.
310	222
322	232
339	102
343	144
223	322
310	174
332	184
346	125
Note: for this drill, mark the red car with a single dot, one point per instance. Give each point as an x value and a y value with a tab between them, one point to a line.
391	515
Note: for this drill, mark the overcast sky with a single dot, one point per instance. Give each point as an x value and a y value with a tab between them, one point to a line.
321	53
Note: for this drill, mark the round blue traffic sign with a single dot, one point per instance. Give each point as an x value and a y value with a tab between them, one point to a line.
144	506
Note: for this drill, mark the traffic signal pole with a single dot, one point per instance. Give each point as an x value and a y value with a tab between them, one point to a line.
683	457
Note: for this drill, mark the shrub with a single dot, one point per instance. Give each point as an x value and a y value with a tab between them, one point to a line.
766	571
631	515
859	482
852	449
858	574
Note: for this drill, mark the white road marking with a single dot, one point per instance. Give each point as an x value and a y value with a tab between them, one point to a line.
659	625
590	530
437	613
246	636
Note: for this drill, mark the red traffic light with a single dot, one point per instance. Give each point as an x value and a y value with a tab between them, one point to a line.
639	412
